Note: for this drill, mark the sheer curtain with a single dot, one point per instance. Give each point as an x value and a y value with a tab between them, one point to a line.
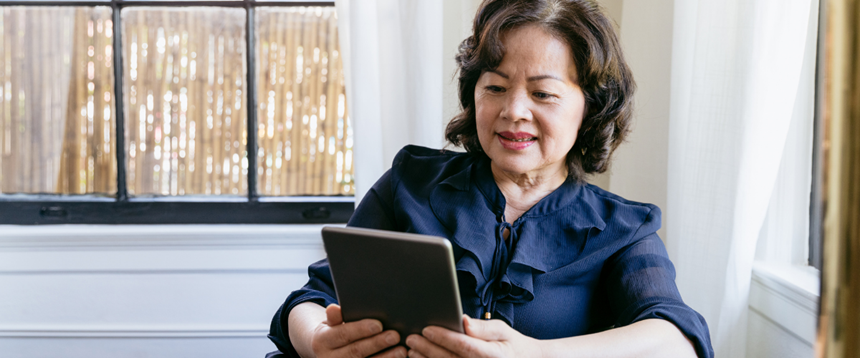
393	65
736	69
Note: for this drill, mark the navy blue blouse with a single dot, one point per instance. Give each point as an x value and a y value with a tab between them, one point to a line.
580	261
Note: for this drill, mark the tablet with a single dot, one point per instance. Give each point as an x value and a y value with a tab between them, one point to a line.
406	281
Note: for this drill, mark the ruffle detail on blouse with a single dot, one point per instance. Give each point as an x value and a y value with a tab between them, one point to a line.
472	217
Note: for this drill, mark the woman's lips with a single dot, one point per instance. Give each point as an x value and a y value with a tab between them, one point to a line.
516	141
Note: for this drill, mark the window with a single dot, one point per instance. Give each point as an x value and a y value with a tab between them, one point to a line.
172	112
790	234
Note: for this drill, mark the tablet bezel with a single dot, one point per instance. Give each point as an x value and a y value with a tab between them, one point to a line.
421	284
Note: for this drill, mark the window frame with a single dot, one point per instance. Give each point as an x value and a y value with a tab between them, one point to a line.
41	209
816	192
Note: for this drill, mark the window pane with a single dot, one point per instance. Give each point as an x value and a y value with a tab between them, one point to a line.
56	100
304	131
185	100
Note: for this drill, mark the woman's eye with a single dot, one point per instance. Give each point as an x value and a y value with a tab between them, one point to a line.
542	95
495	89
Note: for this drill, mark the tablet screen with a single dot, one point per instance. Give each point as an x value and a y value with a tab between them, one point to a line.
406	281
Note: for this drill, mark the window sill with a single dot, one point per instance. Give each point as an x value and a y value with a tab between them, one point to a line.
788	296
58	237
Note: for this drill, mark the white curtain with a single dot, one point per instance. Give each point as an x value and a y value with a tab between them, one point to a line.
393	65
736	66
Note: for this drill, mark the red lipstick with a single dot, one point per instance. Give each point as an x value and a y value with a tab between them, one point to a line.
516	141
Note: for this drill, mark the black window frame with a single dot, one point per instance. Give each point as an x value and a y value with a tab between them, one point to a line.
41	209
816	190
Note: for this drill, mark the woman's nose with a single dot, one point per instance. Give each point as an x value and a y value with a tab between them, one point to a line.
517	107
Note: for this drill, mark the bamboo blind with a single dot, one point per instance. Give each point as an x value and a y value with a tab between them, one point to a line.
185	100
304	131
56	101
185	96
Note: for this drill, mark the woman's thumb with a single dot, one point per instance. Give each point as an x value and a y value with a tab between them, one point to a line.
333	315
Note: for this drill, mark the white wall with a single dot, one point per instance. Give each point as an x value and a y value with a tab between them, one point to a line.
457	15
640	167
147	291
614	8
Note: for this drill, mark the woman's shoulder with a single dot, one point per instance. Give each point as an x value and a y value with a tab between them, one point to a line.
416	153
418	164
605	197
613	208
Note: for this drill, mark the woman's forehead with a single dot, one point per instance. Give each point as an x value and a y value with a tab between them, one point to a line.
533	53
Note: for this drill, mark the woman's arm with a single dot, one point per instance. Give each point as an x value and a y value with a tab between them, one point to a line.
303	320
639	283
647	338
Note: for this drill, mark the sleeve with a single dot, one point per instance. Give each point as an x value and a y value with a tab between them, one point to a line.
641	285
374	212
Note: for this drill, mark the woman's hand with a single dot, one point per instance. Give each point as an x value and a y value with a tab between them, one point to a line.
359	339
491	338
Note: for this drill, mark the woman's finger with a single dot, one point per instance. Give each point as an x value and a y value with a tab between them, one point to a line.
396	352
424	347
492	330
368	346
414	354
333	315
338	336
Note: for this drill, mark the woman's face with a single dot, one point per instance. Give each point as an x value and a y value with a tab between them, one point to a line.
529	109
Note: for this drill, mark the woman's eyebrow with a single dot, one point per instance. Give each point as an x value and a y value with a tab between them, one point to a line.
544	77
530	79
500	73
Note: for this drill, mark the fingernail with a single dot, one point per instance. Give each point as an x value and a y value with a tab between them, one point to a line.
426	332
391	338
410	341
375	327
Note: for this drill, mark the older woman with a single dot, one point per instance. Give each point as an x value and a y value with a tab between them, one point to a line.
555	266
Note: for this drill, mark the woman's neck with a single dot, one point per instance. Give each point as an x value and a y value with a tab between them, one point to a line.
524	190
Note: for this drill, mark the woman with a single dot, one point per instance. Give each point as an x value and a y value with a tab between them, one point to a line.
563	268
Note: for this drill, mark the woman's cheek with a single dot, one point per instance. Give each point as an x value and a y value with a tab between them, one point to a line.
483	119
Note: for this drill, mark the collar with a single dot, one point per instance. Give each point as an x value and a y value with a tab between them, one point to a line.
552	234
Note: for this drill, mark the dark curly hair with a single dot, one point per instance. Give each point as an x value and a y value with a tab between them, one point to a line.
606	81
